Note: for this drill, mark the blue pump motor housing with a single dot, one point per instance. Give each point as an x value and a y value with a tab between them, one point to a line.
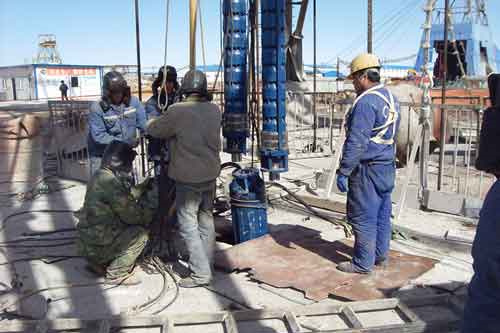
248	205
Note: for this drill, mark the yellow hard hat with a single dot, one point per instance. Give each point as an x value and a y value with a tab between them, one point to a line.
362	62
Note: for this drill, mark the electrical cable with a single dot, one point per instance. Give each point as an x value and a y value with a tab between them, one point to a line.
44	233
177	289
3	223
347	228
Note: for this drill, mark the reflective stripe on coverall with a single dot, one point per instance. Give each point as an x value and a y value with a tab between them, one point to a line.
368	159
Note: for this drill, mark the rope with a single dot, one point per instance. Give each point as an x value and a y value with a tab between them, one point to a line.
164	81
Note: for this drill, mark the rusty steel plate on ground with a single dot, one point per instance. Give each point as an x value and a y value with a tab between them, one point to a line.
299	258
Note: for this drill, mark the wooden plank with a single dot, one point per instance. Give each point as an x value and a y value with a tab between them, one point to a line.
103	325
168	326
291	322
375	305
406	314
324	203
258	315
200	318
444	202
42	327
409	173
336	159
230	324
426	301
352	318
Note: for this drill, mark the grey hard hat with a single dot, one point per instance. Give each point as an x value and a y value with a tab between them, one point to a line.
113	82
194	81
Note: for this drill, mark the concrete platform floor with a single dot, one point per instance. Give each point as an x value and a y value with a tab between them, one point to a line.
100	301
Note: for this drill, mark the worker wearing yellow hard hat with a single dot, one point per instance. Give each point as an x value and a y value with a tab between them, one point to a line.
362	62
367	168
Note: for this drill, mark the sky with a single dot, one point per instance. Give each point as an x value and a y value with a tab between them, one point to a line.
102	32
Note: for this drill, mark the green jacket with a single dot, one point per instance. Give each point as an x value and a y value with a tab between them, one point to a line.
110	207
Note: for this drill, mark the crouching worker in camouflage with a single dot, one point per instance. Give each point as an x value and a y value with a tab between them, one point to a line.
113	226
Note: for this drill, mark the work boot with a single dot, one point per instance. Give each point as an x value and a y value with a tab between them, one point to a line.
348	267
189	282
96	269
382	263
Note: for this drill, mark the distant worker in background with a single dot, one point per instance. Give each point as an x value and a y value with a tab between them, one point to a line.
367	169
192	129
165	93
482	310
63	88
113	223
117	116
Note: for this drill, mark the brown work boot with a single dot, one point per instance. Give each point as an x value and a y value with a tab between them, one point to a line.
348	267
96	269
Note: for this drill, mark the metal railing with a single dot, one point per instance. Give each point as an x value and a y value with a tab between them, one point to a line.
69	128
462	130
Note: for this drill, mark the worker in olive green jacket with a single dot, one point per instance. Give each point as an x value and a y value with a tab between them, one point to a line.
113	223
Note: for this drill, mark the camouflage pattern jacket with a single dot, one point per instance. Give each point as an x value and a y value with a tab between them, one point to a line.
111	206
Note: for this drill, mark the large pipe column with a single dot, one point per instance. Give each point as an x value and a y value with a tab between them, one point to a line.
235	127
274	145
193	14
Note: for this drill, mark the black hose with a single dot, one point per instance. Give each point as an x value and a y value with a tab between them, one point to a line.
35	246
37	258
347	228
230	165
177	289
36	239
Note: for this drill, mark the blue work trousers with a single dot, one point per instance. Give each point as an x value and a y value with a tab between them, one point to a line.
194	203
482	311
369	209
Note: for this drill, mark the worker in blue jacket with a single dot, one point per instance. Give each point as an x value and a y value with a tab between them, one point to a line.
165	93
117	116
482	311
367	168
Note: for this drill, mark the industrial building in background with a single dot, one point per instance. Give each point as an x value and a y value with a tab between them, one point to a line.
41	79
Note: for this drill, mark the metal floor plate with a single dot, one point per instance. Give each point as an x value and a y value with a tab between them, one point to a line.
299	258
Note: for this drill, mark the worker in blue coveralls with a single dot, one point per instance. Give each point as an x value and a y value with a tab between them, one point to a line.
165	93
117	116
367	168
482	310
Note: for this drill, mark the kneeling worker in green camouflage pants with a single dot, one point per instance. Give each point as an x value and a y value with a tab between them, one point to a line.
113	226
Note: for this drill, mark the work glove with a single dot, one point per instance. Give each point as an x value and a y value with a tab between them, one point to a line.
342	182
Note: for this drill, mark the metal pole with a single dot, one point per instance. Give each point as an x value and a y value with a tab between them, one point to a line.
443	96
370	26
139	80
193	12
338	74
315	120
258	64
138	47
